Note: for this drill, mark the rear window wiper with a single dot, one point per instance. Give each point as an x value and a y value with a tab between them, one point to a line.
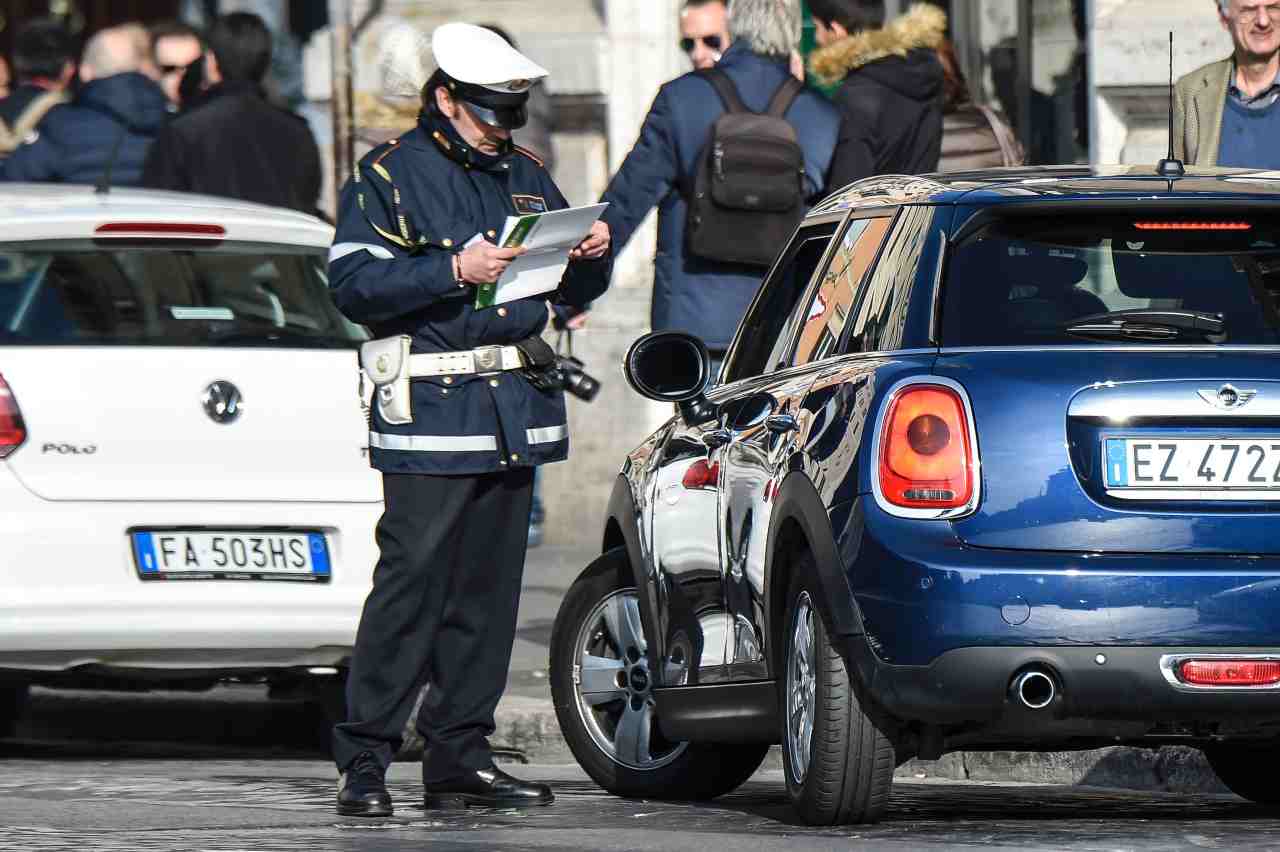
1150	325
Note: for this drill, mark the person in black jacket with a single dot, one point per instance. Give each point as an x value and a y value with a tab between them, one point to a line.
44	60
230	141
891	97
106	131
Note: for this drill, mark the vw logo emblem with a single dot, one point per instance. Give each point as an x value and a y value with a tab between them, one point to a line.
1227	397
222	402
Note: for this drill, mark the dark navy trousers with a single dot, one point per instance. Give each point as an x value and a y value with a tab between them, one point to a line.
442	611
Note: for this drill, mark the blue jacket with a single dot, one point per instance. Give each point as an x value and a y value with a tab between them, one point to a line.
691	294
407	212
76	140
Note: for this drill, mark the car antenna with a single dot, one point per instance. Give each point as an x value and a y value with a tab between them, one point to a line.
1171	166
103	187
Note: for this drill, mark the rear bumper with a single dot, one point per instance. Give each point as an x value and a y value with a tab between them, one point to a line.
71	597
922	594
973	685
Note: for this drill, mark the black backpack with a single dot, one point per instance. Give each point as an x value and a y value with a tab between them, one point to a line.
748	188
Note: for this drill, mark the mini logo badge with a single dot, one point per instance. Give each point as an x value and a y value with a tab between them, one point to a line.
1228	397
222	402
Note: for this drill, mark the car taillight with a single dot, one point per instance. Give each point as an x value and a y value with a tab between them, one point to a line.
701	475
927	458
12	430
1231	672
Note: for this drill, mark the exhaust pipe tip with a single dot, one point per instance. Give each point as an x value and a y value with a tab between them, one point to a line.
1035	689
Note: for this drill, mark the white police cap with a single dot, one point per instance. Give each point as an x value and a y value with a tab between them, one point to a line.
472	54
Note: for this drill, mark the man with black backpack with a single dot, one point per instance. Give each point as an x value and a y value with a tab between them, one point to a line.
732	156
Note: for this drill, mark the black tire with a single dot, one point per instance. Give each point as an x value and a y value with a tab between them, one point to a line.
848	772
1246	771
697	772
13	703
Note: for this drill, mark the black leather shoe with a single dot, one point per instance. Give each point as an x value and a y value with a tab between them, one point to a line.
486	788
364	788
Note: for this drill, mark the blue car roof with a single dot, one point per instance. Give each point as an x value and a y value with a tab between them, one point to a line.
1058	183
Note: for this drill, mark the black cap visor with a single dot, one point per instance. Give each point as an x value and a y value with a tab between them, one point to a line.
508	118
507	110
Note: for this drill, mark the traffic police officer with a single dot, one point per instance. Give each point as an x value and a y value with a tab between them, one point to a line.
415	233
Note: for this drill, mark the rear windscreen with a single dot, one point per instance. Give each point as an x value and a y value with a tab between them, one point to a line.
140	294
1108	279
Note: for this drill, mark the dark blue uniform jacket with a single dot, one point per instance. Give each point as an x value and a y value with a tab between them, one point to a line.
408	210
118	115
703	297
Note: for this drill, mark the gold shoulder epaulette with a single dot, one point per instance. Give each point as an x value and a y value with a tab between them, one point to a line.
529	154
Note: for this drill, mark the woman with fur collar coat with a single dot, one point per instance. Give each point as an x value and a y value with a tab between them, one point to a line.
891	97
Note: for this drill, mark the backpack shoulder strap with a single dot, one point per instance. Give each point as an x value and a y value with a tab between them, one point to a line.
725	89
784	97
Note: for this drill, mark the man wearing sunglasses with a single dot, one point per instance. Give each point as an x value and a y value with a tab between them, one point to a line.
174	46
704	31
1227	113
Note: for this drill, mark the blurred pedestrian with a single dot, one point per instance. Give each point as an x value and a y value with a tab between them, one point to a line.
696	293
44	63
1226	112
174	47
230	141
457	427
704	31
891	86
974	135
106	130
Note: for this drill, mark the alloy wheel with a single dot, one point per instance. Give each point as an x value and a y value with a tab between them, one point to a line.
801	689
613	686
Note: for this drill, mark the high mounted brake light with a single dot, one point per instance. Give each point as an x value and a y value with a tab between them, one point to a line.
926	462
13	431
189	230
1192	226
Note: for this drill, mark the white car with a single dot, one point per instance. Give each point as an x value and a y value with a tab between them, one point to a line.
183	473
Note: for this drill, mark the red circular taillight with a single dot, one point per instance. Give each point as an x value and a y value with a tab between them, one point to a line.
928	434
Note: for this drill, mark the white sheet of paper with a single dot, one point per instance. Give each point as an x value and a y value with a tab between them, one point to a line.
548	242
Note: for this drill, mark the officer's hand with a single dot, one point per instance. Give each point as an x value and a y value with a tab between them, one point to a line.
595	245
484	262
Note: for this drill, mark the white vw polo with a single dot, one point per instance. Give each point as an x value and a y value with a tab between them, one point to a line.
183	469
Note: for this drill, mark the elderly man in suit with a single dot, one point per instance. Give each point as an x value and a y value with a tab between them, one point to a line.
1227	113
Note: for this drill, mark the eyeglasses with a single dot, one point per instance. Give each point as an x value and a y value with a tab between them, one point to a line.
1246	16
713	42
170	69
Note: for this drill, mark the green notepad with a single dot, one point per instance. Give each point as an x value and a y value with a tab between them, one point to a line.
485	293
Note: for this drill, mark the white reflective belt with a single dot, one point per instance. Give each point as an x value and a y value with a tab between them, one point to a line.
547	435
486	359
434	443
340	250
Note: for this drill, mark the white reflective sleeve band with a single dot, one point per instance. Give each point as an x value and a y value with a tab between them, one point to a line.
434	443
547	435
340	250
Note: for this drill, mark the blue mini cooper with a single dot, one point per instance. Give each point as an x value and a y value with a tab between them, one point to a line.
992	463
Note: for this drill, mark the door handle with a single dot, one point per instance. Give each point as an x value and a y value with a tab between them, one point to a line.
717	437
781	424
